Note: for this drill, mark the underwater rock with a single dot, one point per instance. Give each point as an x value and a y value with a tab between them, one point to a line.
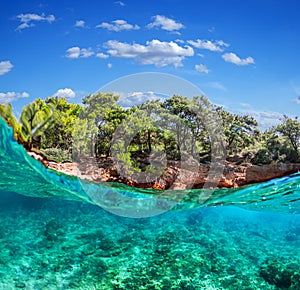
290	237
5	256
20	284
88	250
107	244
51	230
195	218
281	274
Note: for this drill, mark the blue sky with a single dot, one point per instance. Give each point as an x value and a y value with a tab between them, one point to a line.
243	55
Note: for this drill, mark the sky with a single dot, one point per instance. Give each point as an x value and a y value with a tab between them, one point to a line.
243	55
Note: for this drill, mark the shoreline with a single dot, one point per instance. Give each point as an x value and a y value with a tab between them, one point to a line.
234	175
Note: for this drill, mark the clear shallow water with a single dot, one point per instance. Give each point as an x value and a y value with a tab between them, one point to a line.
53	235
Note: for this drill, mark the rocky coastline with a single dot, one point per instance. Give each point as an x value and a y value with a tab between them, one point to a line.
234	174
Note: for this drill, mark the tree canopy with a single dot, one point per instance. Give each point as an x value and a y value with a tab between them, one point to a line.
176	126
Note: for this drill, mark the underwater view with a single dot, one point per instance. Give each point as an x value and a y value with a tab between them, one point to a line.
150	145
53	235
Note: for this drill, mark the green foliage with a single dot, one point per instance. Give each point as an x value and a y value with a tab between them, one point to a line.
83	137
57	155
287	154
240	131
290	128
175	127
128	139
263	156
60	133
274	148
35	118
7	114
102	111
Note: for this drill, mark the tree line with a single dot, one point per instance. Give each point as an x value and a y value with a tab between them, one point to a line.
177	126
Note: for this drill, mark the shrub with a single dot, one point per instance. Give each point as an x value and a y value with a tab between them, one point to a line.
263	156
288	155
57	155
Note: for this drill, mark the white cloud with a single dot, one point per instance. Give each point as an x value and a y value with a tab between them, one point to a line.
24	25
80	23
165	23
265	119
137	98
86	52
233	58
9	97
77	52
102	55
159	53
73	52
109	65
120	3
201	68
118	25
28	19
65	93
5	67
218	45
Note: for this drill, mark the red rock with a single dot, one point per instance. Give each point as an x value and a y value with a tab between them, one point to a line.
175	177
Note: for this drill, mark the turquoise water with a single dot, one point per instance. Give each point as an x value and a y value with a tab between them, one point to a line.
58	232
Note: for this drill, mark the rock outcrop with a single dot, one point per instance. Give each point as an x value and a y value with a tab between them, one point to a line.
175	177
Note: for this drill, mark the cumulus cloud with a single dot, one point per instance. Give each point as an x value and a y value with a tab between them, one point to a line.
102	55
9	97
201	68
165	23
80	23
218	45
233	58
5	67
156	52
77	52
27	20
118	25
86	52
65	93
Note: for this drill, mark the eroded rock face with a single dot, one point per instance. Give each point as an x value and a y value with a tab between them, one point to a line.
266	172
175	177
